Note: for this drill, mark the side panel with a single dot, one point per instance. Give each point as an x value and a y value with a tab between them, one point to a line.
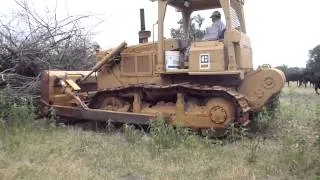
137	65
260	85
113	78
207	57
243	52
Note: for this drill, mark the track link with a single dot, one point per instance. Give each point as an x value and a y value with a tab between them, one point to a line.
240	100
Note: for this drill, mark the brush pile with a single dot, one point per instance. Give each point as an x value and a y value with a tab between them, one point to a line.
32	41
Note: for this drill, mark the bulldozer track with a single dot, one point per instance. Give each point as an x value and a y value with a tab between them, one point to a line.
243	108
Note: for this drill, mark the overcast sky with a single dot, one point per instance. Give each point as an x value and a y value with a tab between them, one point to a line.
281	31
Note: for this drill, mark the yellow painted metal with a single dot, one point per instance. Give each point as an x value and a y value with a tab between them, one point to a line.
213	50
73	85
53	93
162	6
137	103
217	113
105	60
221	111
69	91
260	85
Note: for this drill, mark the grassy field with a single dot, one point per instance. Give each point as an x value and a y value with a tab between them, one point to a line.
287	148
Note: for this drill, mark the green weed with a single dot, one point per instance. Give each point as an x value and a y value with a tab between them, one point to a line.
16	112
165	136
132	134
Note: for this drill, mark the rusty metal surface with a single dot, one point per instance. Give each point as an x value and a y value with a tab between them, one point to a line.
45	86
103	115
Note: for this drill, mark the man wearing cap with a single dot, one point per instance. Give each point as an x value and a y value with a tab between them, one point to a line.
216	31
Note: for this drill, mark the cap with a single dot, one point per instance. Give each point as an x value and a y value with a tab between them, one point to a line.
216	14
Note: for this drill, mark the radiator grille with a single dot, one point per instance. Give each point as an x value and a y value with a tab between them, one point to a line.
143	64
128	65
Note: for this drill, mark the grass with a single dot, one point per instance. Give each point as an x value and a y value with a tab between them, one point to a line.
287	148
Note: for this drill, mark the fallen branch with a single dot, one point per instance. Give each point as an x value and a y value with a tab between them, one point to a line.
21	85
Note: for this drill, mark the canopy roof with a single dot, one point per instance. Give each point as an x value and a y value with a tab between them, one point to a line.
195	4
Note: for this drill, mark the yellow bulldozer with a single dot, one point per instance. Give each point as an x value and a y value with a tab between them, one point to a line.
214	87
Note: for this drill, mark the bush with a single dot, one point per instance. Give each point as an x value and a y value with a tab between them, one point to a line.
15	111
132	135
234	133
6	101
166	136
163	135
262	121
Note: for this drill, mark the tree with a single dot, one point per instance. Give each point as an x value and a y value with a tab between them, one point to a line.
195	31
284	68
313	64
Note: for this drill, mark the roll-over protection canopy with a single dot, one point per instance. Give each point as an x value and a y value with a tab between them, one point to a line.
196	5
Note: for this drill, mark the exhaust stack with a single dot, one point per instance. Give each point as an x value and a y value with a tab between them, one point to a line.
143	34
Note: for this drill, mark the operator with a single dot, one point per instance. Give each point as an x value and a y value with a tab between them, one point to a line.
216	31
213	33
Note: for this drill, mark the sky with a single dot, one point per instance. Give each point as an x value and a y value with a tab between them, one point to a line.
281	31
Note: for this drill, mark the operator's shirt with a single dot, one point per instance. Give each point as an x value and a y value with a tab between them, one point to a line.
214	32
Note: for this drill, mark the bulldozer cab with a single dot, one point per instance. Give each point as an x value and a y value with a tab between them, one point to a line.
232	10
232	54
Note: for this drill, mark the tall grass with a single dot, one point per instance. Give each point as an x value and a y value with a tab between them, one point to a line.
287	146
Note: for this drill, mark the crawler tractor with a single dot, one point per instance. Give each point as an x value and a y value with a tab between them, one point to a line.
212	88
